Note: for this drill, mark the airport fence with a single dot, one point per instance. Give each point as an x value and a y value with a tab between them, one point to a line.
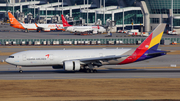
95	41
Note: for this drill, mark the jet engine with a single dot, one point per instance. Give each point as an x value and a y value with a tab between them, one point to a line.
71	65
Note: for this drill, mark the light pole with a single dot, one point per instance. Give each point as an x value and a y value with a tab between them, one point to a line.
46	15
87	12
34	9
62	7
84	4
58	4
123	19
104	12
13	6
172	15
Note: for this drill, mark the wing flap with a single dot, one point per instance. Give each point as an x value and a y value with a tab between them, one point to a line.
110	57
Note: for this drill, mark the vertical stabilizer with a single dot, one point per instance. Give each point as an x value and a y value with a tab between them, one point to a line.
65	23
149	46
14	22
12	19
152	42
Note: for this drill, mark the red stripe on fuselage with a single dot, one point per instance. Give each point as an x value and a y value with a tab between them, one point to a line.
138	52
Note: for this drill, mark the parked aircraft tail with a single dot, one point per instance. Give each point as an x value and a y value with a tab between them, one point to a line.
14	22
65	23
149	47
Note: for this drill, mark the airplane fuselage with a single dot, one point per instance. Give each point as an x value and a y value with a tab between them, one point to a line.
56	57
85	28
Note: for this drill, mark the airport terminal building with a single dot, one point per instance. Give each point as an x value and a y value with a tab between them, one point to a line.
144	15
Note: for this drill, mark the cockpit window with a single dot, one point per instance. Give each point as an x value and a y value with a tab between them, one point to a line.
11	56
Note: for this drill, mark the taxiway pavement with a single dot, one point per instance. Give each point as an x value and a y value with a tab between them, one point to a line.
114	73
62	35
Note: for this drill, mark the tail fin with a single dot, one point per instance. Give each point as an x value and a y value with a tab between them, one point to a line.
65	23
13	22
12	19
152	42
149	46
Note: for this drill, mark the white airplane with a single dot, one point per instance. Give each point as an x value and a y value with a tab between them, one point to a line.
87	59
71	28
172	32
39	27
138	34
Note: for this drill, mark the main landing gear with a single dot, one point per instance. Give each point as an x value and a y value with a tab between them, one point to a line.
26	30
20	69
88	70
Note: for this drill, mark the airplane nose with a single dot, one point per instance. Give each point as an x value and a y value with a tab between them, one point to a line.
8	60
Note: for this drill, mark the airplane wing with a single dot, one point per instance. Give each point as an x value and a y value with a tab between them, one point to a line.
98	60
102	58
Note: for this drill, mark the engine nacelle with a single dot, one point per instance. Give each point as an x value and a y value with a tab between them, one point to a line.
57	67
71	65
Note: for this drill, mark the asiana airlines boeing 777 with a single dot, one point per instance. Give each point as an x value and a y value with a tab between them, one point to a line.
87	59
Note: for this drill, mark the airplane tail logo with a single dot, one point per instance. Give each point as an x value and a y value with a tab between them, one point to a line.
148	48
57	26
65	23
14	22
98	27
12	19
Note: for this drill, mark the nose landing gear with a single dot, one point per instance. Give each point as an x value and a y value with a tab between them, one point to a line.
20	71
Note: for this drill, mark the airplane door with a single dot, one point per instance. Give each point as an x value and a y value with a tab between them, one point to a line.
24	57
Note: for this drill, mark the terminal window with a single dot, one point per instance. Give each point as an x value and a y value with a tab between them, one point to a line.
154	20
165	20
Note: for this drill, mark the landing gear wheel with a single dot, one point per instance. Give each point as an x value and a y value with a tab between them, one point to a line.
91	71
26	30
94	71
20	71
87	70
